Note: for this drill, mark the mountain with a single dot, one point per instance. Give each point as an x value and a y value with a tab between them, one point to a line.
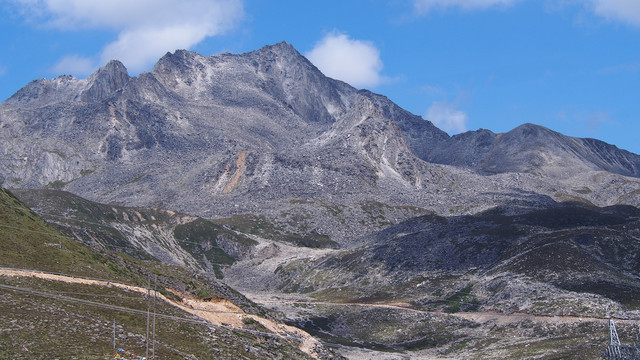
532	148
258	132
359	221
571	246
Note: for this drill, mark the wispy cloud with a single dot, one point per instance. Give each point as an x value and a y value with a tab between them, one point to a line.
356	62
433	90
595	121
74	65
424	6
3	70
627	11
447	117
591	123
622	68
146	28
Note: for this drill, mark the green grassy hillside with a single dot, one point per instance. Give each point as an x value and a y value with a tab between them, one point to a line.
43	319
147	234
27	241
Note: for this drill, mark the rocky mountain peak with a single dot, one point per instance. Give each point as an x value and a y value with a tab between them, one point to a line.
251	130
531	132
113	68
105	81
96	87
282	48
179	59
281	52
43	92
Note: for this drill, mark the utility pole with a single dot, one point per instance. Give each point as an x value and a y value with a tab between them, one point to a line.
155	294
148	305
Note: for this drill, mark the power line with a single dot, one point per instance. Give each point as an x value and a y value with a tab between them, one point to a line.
34	231
98	304
106	281
100	295
144	312
155	295
148	304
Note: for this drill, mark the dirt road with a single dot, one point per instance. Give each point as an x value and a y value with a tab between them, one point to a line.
220	312
478	317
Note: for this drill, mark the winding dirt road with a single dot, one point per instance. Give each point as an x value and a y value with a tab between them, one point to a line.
478	317
219	312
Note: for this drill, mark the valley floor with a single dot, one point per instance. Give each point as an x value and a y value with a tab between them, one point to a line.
489	334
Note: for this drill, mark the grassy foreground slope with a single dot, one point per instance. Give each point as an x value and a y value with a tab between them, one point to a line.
44	324
27	241
43	319
143	233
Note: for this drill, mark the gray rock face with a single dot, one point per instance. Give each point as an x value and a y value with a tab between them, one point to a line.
532	148
256	132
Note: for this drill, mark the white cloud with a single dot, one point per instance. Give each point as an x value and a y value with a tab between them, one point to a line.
627	11
447	117
146	28
74	65
138	48
356	62
424	6
618	10
3	70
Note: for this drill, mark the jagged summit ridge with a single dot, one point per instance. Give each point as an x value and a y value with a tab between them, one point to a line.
96	87
277	72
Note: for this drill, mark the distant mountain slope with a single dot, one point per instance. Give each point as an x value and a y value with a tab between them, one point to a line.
532	148
556	273
589	254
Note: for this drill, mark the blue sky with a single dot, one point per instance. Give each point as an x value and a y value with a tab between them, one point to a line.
570	65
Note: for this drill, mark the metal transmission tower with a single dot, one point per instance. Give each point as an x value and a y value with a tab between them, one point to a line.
613	334
617	351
